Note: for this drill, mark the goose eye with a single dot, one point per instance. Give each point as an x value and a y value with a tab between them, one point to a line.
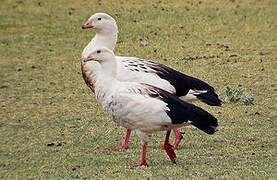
98	51
99	19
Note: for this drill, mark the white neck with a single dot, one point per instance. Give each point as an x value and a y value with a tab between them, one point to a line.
106	77
101	39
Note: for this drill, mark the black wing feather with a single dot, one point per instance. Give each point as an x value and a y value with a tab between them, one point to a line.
183	83
181	111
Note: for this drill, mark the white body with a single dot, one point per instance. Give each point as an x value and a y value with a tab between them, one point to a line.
128	103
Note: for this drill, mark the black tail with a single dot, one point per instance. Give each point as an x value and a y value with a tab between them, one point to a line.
203	120
181	112
210	98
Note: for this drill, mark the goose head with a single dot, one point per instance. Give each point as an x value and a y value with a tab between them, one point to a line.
101	22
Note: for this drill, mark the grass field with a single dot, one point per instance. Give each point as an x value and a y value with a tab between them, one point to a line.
52	127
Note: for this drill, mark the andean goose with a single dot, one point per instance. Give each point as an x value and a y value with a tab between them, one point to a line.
139	107
144	71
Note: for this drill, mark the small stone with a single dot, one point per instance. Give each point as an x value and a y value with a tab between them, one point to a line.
3	86
143	43
50	144
233	55
261	53
76	167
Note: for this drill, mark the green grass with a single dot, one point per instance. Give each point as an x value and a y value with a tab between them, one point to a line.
52	127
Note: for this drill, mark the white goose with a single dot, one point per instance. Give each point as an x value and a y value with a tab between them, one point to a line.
144	71
139	107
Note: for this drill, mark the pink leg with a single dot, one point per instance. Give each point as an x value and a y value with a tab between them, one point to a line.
125	142
143	162
168	148
178	138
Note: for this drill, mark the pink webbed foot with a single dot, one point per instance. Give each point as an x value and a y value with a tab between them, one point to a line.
170	152
169	148
143	162
178	138
141	165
